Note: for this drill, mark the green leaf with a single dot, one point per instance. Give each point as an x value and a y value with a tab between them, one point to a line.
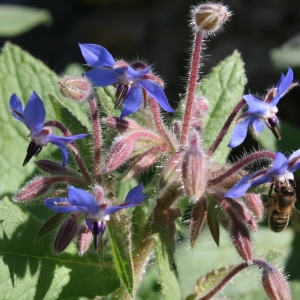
30	270
223	88
15	19
120	240
163	234
287	54
22	74
212	221
167	272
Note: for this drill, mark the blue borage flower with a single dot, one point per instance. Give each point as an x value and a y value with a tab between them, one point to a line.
259	109
132	80
33	116
96	211
281	171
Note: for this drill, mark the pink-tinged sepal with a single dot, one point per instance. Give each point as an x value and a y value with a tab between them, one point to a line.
121	125
194	170
255	204
66	233
124	146
84	239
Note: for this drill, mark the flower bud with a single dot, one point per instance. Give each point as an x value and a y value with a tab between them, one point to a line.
40	185
194	170
210	17
172	170
254	203
84	239
121	124
66	233
75	87
274	283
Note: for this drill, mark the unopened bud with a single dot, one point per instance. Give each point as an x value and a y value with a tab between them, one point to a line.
172	170
254	203
75	87
194	170
121	124
210	17
65	234
40	185
84	239
274	283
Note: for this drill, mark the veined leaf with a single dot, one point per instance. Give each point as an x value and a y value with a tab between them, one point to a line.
223	88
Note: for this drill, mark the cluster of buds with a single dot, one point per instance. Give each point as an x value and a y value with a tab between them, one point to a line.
84	197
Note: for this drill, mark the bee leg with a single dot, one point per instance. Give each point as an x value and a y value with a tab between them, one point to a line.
271	189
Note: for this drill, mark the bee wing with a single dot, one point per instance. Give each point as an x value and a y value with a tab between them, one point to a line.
268	207
296	218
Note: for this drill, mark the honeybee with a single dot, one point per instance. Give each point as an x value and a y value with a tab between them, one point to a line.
281	205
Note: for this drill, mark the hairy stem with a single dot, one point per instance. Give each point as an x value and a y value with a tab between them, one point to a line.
225	128
97	138
241	164
192	83
224	281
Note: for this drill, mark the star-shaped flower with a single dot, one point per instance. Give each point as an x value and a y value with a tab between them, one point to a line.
134	82
281	171
33	116
96	211
259	109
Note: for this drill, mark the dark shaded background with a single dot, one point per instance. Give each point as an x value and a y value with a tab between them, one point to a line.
158	32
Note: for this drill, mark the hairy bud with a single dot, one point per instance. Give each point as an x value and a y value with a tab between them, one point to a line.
273	281
84	239
75	87
121	124
194	170
254	203
210	17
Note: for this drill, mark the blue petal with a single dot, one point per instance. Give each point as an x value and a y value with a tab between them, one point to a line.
52	138
102	76
256	106
258	125
35	113
61	205
96	55
64	152
137	74
133	198
280	164
241	187
83	199
239	132
133	102
155	91
285	82
16	105
294	161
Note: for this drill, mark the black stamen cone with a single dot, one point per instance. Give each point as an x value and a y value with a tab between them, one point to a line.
121	94
32	150
96	235
274	128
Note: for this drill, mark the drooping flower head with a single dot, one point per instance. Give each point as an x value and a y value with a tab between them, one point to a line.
262	110
134	82
33	116
281	171
96	210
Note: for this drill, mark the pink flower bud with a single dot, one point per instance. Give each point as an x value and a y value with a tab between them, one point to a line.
123	147
273	282
144	161
210	17
172	170
254	203
84	239
75	87
194	170
66	233
40	185
121	124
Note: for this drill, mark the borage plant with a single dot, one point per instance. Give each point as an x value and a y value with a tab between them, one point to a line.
120	224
